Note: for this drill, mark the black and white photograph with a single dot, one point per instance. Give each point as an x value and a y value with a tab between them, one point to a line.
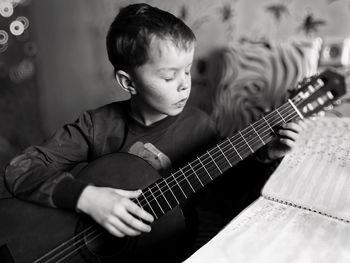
174	131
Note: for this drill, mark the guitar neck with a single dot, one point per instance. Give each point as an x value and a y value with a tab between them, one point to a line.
165	194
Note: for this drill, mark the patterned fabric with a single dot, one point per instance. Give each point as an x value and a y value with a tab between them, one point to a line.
252	78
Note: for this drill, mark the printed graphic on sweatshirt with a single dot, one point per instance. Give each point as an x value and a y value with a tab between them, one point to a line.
152	155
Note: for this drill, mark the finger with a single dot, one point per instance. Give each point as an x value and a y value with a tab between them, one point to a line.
288	134
134	223
302	124
287	142
292	126
117	225
139	212
127	193
112	230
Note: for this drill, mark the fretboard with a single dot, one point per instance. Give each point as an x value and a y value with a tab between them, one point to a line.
166	193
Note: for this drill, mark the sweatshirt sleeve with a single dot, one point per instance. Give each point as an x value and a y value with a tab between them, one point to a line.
41	173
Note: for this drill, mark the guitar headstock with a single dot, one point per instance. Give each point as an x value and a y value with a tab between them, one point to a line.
318	92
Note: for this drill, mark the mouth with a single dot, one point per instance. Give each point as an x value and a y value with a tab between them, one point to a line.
181	103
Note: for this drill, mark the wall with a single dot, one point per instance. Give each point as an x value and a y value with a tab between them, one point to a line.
71	78
20	115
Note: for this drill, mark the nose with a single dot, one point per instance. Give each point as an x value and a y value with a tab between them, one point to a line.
185	82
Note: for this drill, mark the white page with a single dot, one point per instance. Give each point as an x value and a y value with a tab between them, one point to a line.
269	232
316	174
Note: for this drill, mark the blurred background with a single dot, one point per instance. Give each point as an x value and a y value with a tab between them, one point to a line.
53	62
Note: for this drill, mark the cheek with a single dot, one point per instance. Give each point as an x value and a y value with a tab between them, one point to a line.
164	97
162	92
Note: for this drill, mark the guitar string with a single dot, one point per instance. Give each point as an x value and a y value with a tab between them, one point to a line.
194	183
148	193
231	158
84	232
238	146
81	235
76	247
210	157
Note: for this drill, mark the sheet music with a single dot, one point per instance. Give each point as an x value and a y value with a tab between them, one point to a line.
316	174
272	232
316	177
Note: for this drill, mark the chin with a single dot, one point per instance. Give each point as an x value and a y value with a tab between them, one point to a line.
175	112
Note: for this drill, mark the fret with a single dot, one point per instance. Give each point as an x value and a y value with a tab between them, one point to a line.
205	169
255	140
144	197
246	142
275	119
171	191
166	200
195	174
154	198
214	162
296	109
281	116
269	125
257	134
187	180
179	186
235	149
225	156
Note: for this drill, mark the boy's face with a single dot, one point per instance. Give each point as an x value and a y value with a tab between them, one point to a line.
163	84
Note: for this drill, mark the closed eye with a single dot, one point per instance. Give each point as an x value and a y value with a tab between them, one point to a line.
169	79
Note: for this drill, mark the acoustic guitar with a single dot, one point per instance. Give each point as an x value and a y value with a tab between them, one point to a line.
31	233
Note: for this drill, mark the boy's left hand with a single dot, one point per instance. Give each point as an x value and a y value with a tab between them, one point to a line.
285	140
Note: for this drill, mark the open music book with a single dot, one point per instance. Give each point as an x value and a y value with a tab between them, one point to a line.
303	214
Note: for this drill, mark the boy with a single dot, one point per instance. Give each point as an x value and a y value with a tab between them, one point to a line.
152	53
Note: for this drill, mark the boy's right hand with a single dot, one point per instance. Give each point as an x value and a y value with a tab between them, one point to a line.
113	209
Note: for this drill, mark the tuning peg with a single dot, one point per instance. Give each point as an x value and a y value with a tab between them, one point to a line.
320	101
330	95
329	107
337	102
311	88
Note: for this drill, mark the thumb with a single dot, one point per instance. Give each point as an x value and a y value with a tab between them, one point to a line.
127	193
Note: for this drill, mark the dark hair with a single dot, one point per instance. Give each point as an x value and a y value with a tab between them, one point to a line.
131	31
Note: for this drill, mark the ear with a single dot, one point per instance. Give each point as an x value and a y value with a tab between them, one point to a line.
125	81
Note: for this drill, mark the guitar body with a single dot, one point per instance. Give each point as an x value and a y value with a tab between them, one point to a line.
29	232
